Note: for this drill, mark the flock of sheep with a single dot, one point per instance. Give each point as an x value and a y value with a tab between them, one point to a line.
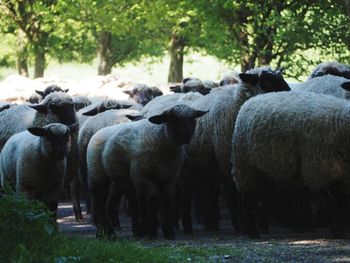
273	148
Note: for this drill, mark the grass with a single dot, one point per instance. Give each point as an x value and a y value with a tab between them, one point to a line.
90	250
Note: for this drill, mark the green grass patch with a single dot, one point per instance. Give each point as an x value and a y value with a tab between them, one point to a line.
27	235
88	250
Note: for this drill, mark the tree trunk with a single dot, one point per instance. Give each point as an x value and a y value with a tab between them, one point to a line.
177	45
39	62
104	53
22	54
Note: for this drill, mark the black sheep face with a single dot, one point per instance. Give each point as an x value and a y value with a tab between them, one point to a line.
180	123
57	140
65	112
272	81
332	71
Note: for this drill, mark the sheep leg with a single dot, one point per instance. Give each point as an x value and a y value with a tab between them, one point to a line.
112	206
232	200
186	215
167	198
210	203
248	215
99	196
135	225
75	193
153	209
338	224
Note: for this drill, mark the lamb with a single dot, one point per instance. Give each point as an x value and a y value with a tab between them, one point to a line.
143	94
34	162
90	127
56	107
331	68
147	154
294	140
210	149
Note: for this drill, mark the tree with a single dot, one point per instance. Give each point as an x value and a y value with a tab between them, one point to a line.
255	33
36	20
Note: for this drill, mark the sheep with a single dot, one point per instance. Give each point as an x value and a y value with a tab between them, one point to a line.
143	94
40	95
5	105
56	107
34	162
90	127
293	140
147	154
191	85
81	102
101	105
161	103
330	68
327	84
230	78
209	151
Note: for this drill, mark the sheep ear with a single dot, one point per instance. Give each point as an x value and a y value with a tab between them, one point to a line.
176	89
251	79
346	86
222	83
41	93
73	127
199	113
159	119
185	80
37	131
39	107
123	106
65	90
91	112
134	118
128	92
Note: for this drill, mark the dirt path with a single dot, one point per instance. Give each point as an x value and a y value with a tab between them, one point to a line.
280	246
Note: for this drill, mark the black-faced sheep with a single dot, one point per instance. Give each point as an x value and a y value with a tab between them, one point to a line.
293	139
143	94
331	68
91	126
147	154
56	107
210	149
34	162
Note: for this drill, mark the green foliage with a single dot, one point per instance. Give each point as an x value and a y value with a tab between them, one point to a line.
26	232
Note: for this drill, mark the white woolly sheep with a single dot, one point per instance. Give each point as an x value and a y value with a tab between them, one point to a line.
90	127
81	102
56	107
143	94
331	68
230	78
34	162
209	151
327	84
292	139
161	103
148	153
191	85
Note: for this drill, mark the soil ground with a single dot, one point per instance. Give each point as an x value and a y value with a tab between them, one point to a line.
280	245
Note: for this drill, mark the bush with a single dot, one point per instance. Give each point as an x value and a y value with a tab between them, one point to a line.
27	233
